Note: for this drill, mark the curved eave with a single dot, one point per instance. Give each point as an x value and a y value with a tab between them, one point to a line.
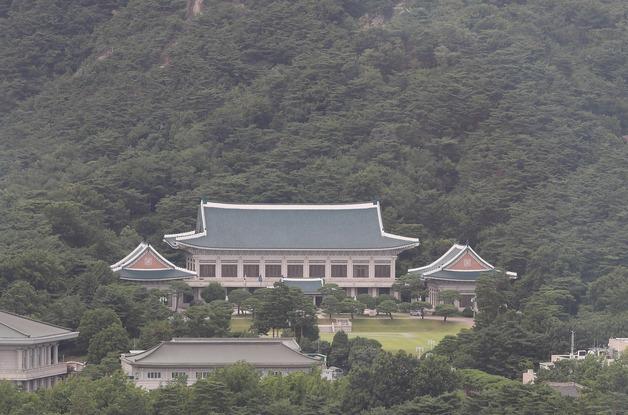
39	339
137	253
393	248
441	259
220	365
449	279
154	279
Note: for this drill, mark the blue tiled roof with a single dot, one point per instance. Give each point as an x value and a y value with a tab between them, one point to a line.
308	286
456	275
291	227
152	274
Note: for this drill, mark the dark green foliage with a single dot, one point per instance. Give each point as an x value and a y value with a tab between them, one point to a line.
362	351
210	396
503	348
92	323
368	301
445	310
467	312
339	353
283	307
331	305
499	122
209	320
171	400
112	339
387	307
393	379
238	297
214	291
154	332
21	298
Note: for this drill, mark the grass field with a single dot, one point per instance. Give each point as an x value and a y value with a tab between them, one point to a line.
400	333
240	324
405	334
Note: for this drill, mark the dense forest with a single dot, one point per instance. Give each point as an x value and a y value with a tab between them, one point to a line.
502	123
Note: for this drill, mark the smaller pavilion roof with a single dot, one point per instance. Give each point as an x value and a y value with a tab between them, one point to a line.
15	329
309	286
217	352
459	263
144	263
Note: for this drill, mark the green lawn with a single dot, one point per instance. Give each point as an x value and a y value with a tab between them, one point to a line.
405	334
400	333
240	324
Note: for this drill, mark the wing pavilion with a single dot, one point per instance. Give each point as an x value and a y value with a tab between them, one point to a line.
457	269
146	266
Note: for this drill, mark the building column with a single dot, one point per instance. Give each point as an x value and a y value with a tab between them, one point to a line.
240	271
55	354
19	359
306	268
196	292
284	267
350	268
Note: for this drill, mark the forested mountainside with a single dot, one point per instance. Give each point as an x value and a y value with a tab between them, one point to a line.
501	123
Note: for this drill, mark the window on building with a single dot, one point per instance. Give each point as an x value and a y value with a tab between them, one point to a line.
229	270
251	270
176	375
202	375
317	271
153	375
273	270
207	271
360	271
382	271
295	271
338	271
362	290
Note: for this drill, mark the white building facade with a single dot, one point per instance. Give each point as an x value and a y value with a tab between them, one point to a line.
193	359
253	246
29	352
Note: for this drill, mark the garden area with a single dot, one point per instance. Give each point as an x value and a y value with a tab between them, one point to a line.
401	333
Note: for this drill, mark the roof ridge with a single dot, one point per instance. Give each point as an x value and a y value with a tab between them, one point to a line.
288	206
35	320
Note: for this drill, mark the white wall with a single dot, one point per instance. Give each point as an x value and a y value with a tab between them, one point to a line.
8	358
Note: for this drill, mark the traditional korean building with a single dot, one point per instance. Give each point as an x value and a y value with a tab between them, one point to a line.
457	269
29	351
145	266
194	359
252	246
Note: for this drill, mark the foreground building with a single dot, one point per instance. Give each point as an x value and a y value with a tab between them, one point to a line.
253	246
193	359
29	351
457	269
